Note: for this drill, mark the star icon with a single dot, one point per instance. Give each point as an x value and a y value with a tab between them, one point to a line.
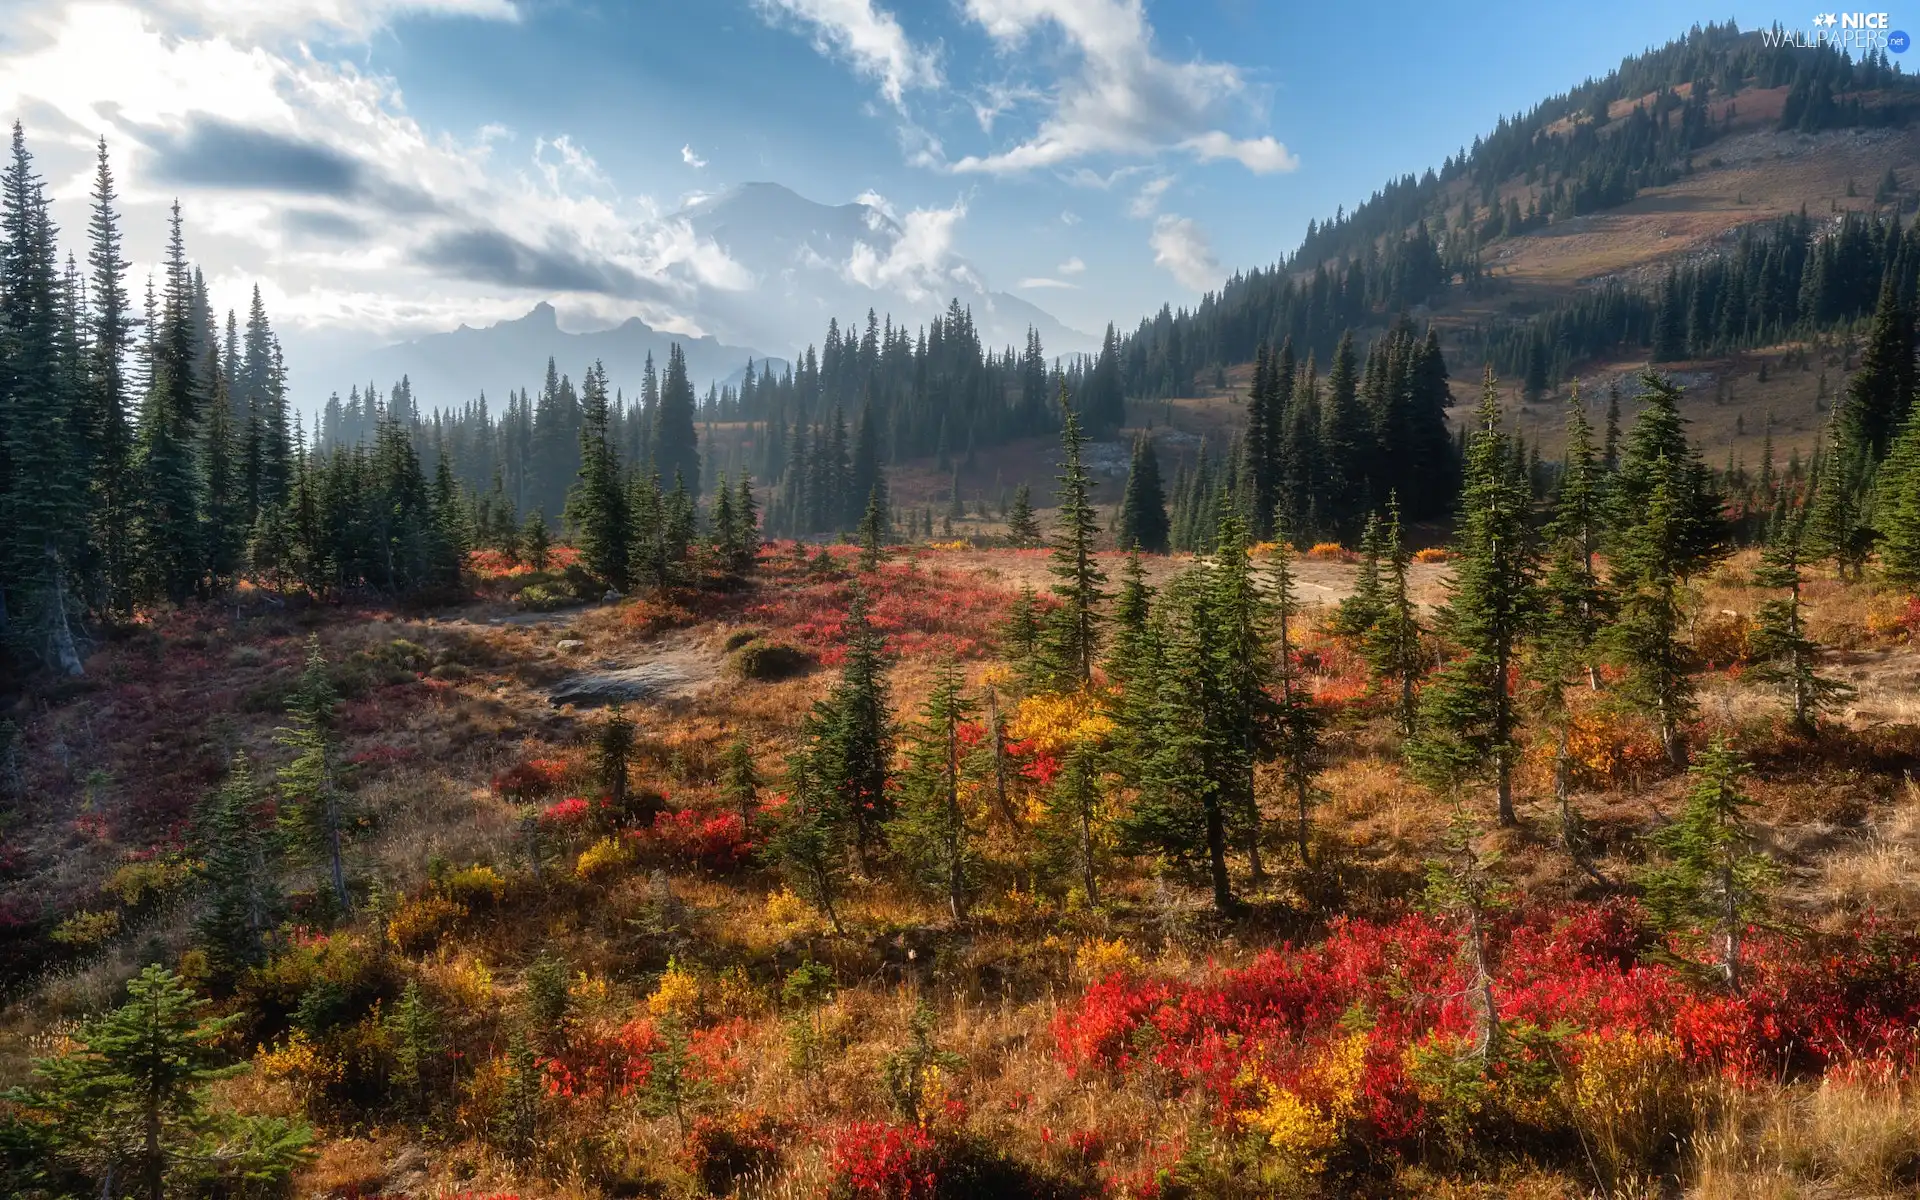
1826	20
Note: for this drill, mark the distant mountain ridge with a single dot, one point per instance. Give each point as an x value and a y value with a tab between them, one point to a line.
449	369
809	263
820	261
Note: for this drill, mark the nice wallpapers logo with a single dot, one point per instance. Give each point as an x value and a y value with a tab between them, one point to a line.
1854	32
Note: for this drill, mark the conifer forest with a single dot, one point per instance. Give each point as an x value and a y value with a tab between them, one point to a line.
1437	716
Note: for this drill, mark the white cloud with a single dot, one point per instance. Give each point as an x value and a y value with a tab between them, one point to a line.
870	37
693	160
353	18
1146	201
1125	99
878	203
1069	217
920	263
309	176
1041	281
1260	155
1072	266
1181	247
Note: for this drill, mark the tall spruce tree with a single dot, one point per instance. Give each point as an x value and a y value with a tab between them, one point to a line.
1072	632
43	503
234	864
597	508
110	432
1664	526
851	735
1143	507
1784	656
676	449
933	830
1242	661
1468	718
1297	719
1392	644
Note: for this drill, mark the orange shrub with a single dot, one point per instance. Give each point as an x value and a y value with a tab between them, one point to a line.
1610	749
1329	552
1721	639
1431	554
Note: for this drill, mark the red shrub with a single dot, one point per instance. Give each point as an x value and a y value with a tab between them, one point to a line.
532	779
603	1065
718	842
871	1159
574	810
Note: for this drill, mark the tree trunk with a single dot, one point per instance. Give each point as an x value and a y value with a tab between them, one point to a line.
61	652
1303	795
1217	854
1086	854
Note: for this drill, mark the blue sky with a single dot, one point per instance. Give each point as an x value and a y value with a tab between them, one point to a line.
1098	157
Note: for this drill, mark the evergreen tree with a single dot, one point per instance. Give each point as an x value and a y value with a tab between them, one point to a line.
223	527
1880	392
932	831
851	737
126	1105
1467	718
1664	525
873	533
1392	643
1072	633
1023	529
1712	875
42	488
1783	654
1074	817
740	781
1180	809
1573	606
1242	662
613	754
534	546
1022	634
1143	508
1297	719
315	806
233	852
597	507
809	840
1360	610
169	516
676	450
109	432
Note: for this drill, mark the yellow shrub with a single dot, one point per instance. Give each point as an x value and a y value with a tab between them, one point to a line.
416	924
87	929
136	882
1629	1095
298	1061
1301	1131
467	981
1298	1131
1055	722
1098	958
677	995
787	910
956	544
603	857
476	884
591	992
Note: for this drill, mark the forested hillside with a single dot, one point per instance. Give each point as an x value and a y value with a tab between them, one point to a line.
1438	242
